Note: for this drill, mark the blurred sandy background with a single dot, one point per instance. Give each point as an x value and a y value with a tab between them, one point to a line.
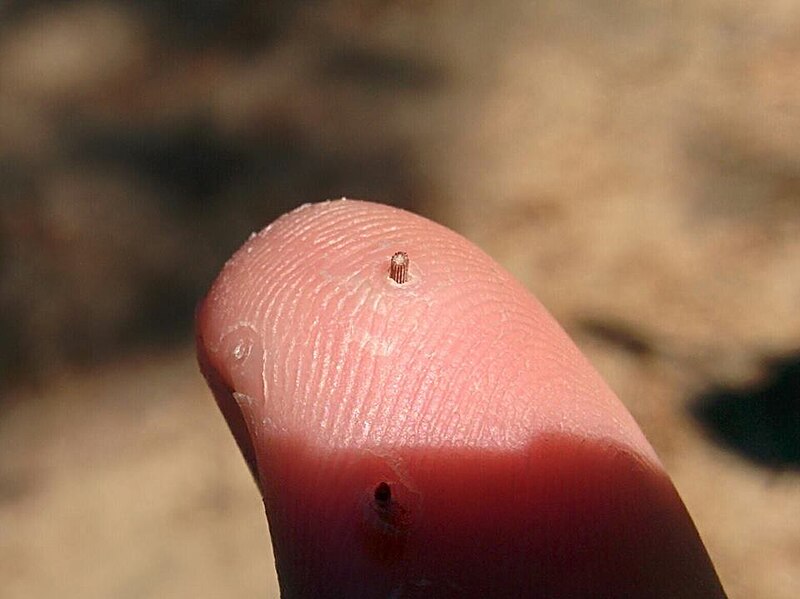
635	163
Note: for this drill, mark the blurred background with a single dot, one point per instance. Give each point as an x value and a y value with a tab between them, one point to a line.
636	164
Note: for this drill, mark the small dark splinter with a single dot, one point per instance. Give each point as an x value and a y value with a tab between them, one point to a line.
398	268
383	494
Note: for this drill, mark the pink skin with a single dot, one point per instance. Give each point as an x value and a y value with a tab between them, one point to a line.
514	470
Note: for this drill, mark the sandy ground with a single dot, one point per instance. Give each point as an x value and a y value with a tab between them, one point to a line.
126	484
636	165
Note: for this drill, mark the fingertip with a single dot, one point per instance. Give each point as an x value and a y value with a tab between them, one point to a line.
453	386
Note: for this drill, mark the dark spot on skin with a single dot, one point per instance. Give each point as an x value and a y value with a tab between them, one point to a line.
387	523
389	516
383	494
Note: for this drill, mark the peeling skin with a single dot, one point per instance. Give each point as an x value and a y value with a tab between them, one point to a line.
248	407
394	461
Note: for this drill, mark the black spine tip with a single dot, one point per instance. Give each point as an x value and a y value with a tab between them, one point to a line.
383	493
